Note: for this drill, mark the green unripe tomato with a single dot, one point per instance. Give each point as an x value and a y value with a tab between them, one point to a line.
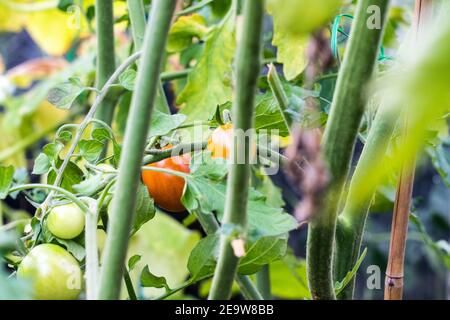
54	272
66	221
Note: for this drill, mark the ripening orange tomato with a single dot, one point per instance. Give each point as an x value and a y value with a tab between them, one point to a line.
221	141
167	189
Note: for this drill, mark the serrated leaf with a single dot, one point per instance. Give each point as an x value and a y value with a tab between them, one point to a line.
291	52
262	252
340	285
52	150
288	278
6	179
42	164
101	135
209	84
128	79
202	260
184	30
133	261
148	279
65	94
65	136
162	123
91	150
145	208
71	176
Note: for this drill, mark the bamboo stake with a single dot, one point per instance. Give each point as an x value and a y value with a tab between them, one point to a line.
395	270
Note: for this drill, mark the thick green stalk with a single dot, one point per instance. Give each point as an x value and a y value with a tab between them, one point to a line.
106	63
339	140
351	222
248	67
263	282
123	203
136	12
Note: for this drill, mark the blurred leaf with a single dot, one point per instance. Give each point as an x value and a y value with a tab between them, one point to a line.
76	249
145	208
64	95
288	278
42	164
164	245
184	30
262	252
6	179
162	123
340	285
14	289
128	79
148	279
133	261
71	176
440	157
209	84
441	248
202	260
91	150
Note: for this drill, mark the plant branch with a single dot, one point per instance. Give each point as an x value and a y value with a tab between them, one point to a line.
278	91
339	140
235	213
124	199
80	129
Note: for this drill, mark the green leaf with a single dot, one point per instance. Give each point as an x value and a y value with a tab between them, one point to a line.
133	261
14	289
71	176
202	260
65	136
6	179
128	79
440	157
209	84
165	245
145	208
42	164
101	135
52	150
209	196
291	52
162	123
148	279
91	150
64	95
441	248
76	249
288	278
184	30
262	252
340	285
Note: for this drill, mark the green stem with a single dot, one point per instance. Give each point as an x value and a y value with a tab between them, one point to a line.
211	226
106	63
174	75
124	199
278	91
91	247
263	282
352	220
194	8
136	11
339	140
129	285
64	192
235	213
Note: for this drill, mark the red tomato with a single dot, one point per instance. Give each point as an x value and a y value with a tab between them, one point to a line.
167	189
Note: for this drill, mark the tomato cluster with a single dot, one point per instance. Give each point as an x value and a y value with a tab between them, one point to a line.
167	189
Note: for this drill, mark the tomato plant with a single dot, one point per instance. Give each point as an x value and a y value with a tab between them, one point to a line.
252	120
